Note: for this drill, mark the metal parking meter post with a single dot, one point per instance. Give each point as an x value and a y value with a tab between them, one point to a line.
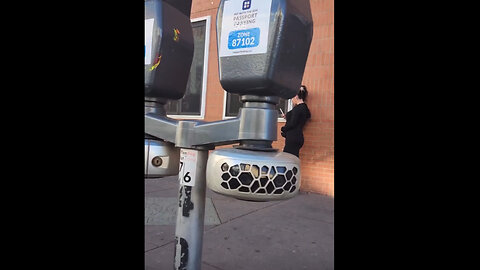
191	209
255	128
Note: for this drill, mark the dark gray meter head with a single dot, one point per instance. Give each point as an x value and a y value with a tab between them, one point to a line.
168	48
263	45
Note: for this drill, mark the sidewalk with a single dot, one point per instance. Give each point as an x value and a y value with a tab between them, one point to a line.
280	235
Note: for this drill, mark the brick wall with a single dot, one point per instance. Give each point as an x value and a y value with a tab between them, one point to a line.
317	154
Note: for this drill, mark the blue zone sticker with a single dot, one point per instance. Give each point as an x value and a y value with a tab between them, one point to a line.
244	38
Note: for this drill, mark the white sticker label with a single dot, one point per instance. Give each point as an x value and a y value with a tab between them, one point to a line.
245	27
148	41
188	167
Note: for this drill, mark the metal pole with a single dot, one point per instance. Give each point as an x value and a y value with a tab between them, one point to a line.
191	209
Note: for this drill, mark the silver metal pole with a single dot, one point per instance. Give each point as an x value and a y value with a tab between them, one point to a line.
191	209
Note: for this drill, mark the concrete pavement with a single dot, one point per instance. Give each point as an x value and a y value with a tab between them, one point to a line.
279	235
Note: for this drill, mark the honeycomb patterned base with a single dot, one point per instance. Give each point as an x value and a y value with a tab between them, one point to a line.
253	175
250	178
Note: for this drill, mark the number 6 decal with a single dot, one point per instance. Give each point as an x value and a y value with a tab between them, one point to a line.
187	178
188	167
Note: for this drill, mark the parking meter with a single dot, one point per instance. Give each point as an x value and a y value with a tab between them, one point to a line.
263	46
262	53
168	48
168	57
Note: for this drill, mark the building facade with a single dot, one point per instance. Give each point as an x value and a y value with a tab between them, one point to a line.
206	100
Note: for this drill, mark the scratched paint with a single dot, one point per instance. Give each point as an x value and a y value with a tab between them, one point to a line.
157	63
176	34
187	201
181	253
180	196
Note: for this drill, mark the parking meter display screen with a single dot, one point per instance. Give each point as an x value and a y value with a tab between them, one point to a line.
148	40
244	27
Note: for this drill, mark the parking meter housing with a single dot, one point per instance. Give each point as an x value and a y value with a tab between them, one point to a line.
279	70
253	175
170	48
161	159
